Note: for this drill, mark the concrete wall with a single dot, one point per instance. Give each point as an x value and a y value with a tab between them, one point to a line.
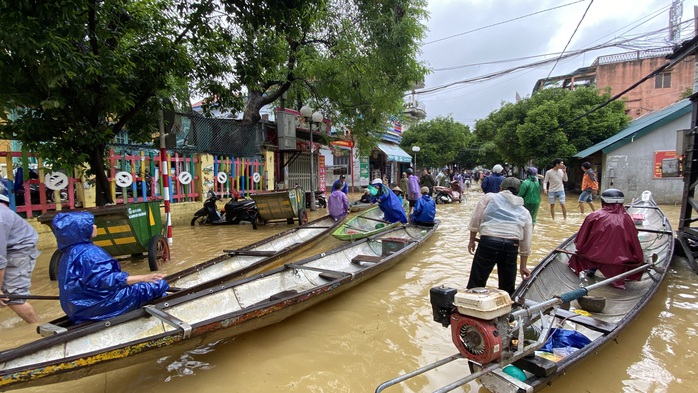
633	165
645	98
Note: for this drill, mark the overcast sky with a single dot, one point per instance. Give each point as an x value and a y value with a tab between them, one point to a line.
461	56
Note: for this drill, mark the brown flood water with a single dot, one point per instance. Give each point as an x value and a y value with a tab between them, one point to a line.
384	327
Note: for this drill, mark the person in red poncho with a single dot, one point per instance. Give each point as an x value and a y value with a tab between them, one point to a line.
608	241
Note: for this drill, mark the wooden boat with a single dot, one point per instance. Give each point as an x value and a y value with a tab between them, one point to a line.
365	224
550	299
358	206
180	322
253	258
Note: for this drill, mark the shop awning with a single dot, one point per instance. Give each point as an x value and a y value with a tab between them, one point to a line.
394	152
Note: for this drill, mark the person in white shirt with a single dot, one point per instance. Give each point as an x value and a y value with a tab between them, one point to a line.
554	188
505	228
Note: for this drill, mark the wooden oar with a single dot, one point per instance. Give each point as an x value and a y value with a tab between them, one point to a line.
12	296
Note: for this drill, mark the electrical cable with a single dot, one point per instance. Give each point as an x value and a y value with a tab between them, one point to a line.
572	36
501	23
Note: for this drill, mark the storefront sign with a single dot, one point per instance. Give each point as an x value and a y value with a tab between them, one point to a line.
363	171
666	164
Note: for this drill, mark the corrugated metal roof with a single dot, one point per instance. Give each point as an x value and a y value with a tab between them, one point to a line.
639	127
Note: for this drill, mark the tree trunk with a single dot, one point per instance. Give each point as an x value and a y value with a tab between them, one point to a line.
255	102
103	189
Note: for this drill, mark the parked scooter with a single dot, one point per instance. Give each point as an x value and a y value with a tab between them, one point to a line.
448	195
233	213
320	200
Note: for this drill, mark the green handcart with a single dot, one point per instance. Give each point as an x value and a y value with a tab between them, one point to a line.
129	229
286	205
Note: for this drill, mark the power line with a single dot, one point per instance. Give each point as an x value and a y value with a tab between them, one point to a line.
572	36
501	23
623	43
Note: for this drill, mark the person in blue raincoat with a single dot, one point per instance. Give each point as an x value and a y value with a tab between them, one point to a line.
90	281
388	202
424	211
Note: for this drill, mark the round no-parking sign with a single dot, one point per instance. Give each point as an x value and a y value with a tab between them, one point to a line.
56	181
123	179
184	177
222	177
256	177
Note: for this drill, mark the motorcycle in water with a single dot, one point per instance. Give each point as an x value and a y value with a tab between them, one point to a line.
448	195
234	211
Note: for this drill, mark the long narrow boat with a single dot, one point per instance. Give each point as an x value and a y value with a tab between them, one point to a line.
554	298
365	224
184	321
253	258
234	264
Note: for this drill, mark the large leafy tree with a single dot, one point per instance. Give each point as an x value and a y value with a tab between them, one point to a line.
352	59
441	140
552	123
77	72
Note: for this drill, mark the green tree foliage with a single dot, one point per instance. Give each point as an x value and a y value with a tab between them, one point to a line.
440	140
77	72
351	59
540	128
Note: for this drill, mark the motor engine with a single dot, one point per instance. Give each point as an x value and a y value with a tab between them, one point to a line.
478	319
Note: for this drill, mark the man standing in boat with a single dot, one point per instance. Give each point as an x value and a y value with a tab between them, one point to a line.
607	241
90	281
505	228
388	202
18	255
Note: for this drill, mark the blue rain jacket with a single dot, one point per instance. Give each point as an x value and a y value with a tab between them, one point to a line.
91	284
390	205
424	210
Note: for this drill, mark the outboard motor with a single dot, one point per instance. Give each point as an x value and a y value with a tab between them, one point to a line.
479	319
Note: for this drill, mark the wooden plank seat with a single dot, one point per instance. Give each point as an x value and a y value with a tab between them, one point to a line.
589	322
283	295
366	258
253	253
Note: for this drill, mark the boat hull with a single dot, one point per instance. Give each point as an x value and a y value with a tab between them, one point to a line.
365	224
553	277
206	316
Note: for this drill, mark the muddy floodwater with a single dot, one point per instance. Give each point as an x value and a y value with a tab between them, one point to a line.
384	327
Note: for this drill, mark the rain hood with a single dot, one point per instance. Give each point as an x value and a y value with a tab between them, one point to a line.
91	284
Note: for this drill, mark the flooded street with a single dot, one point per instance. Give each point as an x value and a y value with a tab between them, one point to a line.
384	328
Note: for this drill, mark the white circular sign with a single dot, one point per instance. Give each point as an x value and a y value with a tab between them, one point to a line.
184	177
256	177
222	177
56	181
123	179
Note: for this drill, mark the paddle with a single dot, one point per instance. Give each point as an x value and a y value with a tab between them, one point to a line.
12	296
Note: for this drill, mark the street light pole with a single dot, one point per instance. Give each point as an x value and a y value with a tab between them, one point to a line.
415	149
311	117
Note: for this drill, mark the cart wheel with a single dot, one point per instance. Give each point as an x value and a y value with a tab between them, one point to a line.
53	265
255	218
302	217
200	220
158	252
